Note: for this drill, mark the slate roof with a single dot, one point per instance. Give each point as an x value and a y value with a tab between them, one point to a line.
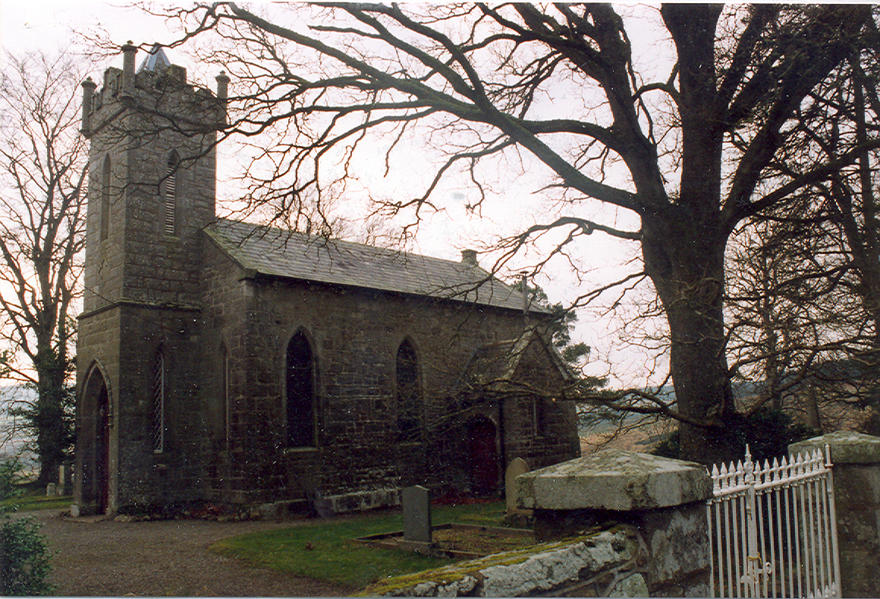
280	253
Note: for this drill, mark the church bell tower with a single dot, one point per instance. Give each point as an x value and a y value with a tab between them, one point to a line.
152	167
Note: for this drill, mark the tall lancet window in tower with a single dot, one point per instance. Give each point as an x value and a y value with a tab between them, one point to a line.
105	198
224	382
169	191
159	385
409	395
300	383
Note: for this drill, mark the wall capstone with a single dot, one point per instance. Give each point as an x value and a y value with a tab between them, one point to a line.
847	447
614	480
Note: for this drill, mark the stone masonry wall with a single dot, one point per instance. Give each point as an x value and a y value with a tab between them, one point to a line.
226	299
607	563
550	435
148	478
354	335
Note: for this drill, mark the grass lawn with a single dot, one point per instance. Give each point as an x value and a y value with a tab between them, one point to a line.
32	500
325	550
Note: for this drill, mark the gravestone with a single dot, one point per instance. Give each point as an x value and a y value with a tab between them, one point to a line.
63	478
416	514
50	490
516	467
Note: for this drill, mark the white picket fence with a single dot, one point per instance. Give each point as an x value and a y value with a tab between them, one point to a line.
772	528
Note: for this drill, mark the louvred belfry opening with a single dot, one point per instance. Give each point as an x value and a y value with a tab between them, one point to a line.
170	193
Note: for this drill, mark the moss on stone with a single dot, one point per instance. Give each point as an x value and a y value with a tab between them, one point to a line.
459	571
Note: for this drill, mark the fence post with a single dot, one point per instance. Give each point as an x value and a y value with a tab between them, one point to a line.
664	499
856	459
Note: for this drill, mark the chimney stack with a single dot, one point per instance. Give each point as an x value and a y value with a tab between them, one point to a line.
222	86
469	257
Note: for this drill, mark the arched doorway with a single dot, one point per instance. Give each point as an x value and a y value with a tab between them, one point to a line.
483	455
96	457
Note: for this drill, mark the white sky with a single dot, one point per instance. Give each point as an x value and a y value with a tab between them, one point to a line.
49	25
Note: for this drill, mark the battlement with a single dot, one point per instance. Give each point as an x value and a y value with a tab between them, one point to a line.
159	89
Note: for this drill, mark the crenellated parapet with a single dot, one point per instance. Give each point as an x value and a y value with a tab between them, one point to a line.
158	89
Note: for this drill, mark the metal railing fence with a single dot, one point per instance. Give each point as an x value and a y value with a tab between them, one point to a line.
772	528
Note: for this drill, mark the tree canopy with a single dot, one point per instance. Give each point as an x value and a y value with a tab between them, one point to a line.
42	232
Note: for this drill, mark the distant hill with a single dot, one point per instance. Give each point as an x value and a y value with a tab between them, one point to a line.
12	439
667	392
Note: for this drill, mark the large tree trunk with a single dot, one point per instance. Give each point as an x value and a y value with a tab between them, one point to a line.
683	244
49	415
688	274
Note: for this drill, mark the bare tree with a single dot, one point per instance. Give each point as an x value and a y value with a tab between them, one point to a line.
42	219
688	153
804	304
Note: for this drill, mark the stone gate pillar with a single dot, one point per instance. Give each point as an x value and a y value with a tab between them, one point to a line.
856	460
664	499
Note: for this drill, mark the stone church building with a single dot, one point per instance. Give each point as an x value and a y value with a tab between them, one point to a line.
227	363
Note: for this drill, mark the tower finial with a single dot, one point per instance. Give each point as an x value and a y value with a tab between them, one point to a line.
128	52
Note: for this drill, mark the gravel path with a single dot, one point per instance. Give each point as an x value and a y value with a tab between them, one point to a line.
168	557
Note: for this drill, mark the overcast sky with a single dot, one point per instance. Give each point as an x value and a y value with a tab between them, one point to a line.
49	25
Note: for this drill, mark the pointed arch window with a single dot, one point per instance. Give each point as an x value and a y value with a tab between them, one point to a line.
227	407
159	391
169	192
300	389
105	198
409	394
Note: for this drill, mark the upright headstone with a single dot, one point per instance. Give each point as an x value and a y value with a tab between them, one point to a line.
50	489
64	480
516	467
417	514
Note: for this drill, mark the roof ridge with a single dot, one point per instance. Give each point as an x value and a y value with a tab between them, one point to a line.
274	251
338	240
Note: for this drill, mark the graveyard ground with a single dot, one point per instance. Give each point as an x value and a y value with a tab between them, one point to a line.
324	549
251	558
164	558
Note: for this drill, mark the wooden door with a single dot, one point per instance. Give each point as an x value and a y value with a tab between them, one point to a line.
483	456
102	451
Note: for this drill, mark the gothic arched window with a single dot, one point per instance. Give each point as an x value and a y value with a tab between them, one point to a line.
224	390
300	387
159	387
105	198
169	192
409	395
